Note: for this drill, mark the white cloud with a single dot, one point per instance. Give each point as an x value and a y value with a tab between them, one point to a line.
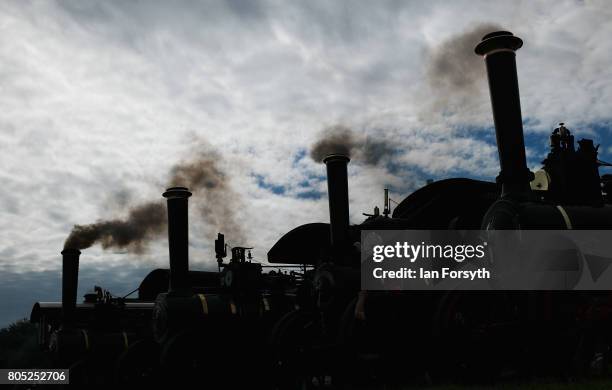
99	99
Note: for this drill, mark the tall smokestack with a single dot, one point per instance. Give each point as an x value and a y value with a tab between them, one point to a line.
337	188
70	282
178	237
498	49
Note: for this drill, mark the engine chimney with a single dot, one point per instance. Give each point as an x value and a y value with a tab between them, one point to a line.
178	238
70	282
337	188
498	49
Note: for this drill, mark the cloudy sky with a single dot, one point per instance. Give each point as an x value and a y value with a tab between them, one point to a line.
100	100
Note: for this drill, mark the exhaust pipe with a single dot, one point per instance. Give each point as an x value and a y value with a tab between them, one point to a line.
178	238
498	49
337	188
70	282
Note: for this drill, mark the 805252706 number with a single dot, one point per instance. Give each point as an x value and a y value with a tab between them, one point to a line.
14	376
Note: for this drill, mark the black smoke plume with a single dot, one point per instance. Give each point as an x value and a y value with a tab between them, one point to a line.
341	139
213	197
456	74
454	67
143	223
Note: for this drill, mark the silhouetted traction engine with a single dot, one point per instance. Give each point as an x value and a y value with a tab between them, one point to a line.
451	334
205	330
184	324
319	328
101	328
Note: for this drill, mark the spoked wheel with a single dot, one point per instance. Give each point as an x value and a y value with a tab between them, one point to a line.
138	364
78	372
565	339
476	337
361	357
184	358
295	362
385	347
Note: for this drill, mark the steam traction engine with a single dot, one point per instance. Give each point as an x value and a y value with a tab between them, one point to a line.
205	330
319	326
184	326
452	334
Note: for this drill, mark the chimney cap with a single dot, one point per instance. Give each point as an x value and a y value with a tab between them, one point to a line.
498	40
336	157
177	192
70	251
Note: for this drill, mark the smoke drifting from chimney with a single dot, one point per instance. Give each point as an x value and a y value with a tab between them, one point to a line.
214	198
143	223
455	74
342	140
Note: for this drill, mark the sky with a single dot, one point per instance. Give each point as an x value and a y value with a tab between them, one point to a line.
100	100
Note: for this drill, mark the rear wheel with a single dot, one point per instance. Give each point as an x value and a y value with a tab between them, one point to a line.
476	335
295	361
138	364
